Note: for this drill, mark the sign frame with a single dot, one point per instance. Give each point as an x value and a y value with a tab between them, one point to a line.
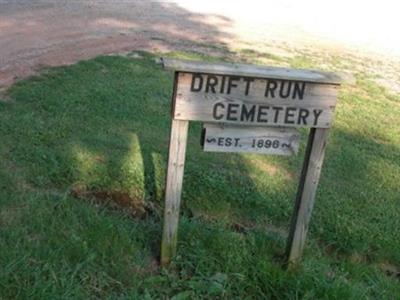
312	164
218	137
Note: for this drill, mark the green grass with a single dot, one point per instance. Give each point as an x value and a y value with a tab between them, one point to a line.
77	138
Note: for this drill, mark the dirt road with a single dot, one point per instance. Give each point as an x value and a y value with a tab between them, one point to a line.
48	33
34	34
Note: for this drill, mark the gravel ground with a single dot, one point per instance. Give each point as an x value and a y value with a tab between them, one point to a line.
34	34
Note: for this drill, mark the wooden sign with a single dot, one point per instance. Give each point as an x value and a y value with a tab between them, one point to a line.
263	140
248	97
256	96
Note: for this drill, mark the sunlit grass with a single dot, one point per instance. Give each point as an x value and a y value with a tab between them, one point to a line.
77	138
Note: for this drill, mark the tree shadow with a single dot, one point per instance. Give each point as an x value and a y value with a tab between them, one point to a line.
107	141
110	135
35	34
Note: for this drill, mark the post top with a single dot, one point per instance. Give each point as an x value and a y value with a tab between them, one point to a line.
250	71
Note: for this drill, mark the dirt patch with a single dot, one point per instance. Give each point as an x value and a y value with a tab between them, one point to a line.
150	268
246	226
116	200
4	97
11	215
53	33
390	270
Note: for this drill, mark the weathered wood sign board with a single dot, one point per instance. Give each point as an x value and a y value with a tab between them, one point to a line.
263	140
244	108
254	101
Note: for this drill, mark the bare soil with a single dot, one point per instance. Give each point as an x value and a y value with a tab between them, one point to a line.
34	34
37	34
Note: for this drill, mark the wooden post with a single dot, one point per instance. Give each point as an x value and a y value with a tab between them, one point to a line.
176	162
305	198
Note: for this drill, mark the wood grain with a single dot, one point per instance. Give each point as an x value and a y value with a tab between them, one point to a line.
315	94
251	71
305	199
176	162
201	105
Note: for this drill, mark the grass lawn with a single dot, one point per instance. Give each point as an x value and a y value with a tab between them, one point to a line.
82	170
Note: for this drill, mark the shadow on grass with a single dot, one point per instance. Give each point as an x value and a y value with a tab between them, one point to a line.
108	139
101	128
